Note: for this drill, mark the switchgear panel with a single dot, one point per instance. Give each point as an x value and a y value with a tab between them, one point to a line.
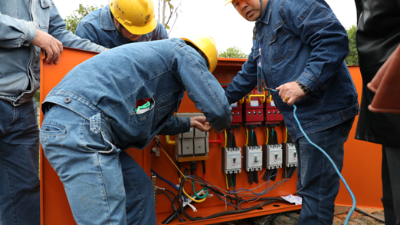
237	117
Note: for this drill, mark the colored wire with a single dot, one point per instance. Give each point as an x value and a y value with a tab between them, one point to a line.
267	139
226	138
172	162
195	193
286	134
187	195
247	136
226	181
167	181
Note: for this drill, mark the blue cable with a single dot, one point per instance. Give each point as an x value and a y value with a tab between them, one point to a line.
169	182
333	163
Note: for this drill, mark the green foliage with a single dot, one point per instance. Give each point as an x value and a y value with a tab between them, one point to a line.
232	52
73	20
37	96
352	58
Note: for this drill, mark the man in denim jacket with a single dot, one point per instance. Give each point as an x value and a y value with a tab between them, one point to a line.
104	28
25	28
302	46
90	119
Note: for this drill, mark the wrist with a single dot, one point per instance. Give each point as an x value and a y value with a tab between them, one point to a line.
305	89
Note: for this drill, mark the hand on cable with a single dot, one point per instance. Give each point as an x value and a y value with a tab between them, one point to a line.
290	92
200	122
52	46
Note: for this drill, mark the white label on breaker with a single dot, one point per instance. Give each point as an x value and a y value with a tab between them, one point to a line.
234	104
272	103
254	103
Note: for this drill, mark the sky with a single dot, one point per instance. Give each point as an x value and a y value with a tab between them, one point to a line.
221	22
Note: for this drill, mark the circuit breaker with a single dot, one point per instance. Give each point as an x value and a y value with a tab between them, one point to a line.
237	117
193	143
252	158
253	110
272	156
231	160
289	155
272	115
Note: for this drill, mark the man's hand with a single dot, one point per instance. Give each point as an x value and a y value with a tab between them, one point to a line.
200	122
290	92
52	46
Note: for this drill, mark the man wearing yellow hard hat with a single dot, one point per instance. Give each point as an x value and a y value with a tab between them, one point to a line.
299	49
88	124
122	22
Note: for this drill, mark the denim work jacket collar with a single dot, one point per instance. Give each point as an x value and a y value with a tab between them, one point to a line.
106	21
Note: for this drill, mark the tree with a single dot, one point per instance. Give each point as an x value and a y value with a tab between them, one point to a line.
168	12
232	52
352	57
73	20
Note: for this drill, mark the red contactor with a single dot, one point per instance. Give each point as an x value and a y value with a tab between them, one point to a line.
272	115
237	117
253	110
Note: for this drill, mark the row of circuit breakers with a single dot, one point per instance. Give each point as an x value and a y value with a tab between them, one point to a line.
250	112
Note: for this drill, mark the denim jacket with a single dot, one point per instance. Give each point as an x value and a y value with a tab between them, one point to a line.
302	41
19	60
99	28
109	85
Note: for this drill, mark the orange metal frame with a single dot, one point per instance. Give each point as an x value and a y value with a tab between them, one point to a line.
361	163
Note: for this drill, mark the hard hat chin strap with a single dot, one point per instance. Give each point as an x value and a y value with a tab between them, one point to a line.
261	8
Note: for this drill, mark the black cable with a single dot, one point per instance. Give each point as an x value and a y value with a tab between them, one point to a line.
370	215
172	206
267	201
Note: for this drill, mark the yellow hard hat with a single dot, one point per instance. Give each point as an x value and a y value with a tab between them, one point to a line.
207	46
228	1
137	16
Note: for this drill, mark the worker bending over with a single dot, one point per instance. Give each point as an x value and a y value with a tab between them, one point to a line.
122	22
92	116
301	47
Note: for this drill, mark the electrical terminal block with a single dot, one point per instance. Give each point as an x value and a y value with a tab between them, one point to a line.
231	160
289	155
272	156
253	158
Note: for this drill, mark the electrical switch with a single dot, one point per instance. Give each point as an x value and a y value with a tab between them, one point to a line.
273	116
272	156
289	155
231	160
251	161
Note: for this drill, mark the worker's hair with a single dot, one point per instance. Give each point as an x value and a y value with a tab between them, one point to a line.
199	51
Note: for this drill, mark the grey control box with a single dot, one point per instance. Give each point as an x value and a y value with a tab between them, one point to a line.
231	160
192	143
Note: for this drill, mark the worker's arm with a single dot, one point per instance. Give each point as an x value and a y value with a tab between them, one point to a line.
246	79
15	33
202	87
177	125
317	26
58	30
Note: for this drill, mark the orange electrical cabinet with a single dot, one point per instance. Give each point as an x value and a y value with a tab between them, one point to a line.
361	163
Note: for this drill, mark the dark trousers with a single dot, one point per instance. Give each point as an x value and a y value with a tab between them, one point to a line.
391	184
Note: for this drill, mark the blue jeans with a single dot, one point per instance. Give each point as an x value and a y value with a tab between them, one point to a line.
19	160
317	182
103	184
